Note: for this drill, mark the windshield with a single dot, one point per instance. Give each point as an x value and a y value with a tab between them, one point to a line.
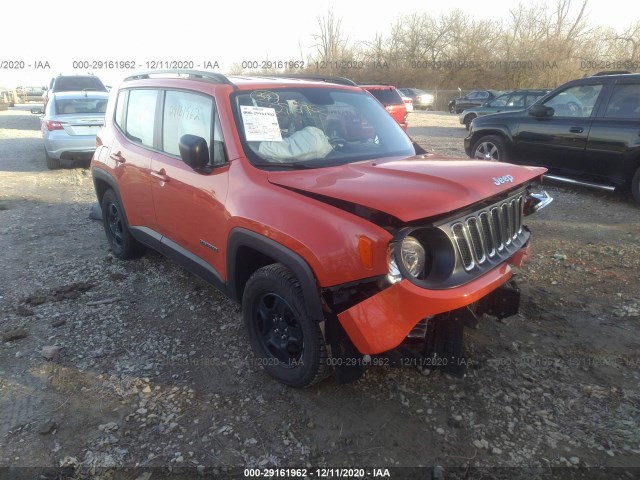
315	127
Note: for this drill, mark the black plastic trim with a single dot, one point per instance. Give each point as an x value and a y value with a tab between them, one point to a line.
147	236
191	262
241	237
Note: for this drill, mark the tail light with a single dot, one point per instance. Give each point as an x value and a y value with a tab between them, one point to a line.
53	125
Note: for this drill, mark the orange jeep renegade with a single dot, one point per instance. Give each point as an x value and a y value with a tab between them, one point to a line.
304	200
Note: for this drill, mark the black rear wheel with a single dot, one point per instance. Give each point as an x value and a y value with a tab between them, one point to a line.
52	163
288	344
122	243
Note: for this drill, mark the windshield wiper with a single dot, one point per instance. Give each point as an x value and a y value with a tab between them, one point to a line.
286	165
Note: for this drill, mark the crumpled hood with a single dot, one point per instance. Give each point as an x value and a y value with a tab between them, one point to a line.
411	188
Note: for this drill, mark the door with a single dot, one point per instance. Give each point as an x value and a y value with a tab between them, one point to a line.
189	204
130	154
558	142
614	139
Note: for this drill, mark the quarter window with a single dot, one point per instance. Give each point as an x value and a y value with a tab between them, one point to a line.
141	113
625	102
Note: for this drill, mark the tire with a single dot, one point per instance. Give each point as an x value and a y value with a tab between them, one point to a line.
52	163
121	242
452	108
467	121
288	344
635	186
490	147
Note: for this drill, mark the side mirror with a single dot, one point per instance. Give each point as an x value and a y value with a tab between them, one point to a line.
194	151
541	111
37	111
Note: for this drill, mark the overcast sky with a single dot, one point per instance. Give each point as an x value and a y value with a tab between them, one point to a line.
227	32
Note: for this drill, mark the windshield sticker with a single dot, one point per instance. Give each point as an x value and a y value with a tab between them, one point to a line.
260	124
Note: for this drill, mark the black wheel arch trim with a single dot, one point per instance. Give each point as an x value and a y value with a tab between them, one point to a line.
101	175
241	237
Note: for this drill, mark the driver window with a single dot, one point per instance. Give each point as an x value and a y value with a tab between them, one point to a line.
577	101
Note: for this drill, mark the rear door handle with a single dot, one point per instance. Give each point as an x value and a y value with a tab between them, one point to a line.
117	157
161	175
576	129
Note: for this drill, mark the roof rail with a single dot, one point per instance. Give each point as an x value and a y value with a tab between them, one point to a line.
610	72
193	74
318	78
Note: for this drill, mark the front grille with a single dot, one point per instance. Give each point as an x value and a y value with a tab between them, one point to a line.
488	232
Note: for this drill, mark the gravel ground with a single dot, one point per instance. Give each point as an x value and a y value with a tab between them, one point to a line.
106	363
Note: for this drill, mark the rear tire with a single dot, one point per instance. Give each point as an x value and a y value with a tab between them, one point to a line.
635	186
491	148
287	342
122	243
52	163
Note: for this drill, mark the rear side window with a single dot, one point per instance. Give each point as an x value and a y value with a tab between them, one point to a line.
141	111
624	102
387	96
121	108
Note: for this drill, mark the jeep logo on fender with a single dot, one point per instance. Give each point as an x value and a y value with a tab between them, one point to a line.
501	180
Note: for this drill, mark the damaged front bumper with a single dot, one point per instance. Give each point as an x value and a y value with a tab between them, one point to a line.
383	321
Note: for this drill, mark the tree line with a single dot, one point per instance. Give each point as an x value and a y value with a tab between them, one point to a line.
537	47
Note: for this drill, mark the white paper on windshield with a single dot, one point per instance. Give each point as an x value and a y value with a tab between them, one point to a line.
260	124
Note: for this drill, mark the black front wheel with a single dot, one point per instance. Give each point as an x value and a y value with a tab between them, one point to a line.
288	344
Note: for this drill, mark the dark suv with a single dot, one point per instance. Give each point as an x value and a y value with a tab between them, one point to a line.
306	202
585	131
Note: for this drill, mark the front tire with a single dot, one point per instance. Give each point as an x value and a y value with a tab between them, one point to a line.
122	243
287	342
491	148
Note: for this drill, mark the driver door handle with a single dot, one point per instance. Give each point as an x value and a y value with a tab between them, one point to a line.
576	129
161	175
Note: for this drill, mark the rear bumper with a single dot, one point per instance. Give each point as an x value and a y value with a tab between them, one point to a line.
70	146
384	320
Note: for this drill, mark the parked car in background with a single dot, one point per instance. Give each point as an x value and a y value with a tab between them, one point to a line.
391	98
73	83
408	102
585	131
421	99
69	126
472	99
516	100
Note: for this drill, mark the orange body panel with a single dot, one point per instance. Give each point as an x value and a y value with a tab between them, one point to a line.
382	322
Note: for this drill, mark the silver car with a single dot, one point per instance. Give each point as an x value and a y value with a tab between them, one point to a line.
69	126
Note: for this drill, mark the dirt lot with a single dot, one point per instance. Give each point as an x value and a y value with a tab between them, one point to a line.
151	367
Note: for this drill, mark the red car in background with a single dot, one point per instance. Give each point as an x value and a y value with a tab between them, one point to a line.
392	100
